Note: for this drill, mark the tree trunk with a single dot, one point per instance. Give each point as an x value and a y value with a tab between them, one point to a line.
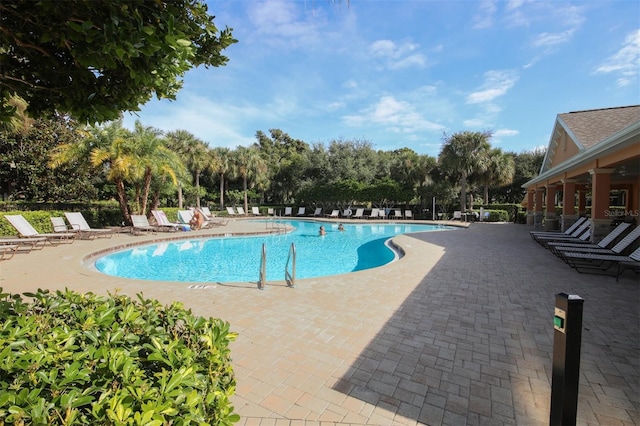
145	190
221	191
463	193
198	188
122	200
244	186
486	194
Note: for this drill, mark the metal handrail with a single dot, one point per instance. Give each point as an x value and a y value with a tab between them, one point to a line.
263	268
290	278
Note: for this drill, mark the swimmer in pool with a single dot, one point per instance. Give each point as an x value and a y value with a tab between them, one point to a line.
322	231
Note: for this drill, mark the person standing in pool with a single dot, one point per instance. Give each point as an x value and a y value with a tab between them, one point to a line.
322	231
340	228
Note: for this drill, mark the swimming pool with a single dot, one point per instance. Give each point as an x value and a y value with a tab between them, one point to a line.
237	259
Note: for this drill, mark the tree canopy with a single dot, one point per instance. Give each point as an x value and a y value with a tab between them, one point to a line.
94	60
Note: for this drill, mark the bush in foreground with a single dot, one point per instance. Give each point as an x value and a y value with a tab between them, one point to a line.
71	359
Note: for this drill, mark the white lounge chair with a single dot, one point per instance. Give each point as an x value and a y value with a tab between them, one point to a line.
347	213
622	245
359	214
25	230
288	211
211	219
545	239
256	211
568	231
80	225
457	215
408	214
24	244
141	224
240	211
271	211
7	251
608	240
59	225
301	211
334	214
374	213
317	212
397	214
601	263
163	222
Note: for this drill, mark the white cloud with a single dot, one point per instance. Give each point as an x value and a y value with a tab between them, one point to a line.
216	124
350	84
484	17
496	84
284	23
393	115
474	122
505	132
397	56
624	61
552	39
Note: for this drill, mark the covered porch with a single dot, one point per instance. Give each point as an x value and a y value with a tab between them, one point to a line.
591	168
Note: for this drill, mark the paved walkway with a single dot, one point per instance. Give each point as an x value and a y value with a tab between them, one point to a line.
457	332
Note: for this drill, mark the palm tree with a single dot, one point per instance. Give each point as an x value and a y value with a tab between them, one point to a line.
19	122
194	153
108	146
248	164
153	159
500	171
462	154
117	157
219	163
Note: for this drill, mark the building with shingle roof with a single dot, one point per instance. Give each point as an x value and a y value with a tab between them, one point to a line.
592	167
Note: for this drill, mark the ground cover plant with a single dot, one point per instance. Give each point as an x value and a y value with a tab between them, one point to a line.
71	359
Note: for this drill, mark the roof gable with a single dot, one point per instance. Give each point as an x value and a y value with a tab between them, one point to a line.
576	131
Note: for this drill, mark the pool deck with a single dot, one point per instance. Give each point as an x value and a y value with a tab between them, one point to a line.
457	332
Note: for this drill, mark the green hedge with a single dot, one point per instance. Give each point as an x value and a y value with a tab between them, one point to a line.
77	359
497	216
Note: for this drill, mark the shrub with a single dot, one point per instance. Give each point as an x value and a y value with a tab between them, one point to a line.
69	358
498	216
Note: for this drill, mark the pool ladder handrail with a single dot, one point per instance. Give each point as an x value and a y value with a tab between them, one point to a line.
263	268
290	278
274	224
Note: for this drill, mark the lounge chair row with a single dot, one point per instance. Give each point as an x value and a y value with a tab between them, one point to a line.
76	226
30	239
617	252
375	213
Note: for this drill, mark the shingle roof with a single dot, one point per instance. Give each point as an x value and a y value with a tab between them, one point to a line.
593	126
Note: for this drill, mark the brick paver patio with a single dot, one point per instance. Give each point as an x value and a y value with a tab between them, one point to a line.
457	332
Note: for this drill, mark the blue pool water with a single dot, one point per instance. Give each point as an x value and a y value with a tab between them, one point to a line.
237	259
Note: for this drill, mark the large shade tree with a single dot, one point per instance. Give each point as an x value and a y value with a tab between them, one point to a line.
95	59
463	154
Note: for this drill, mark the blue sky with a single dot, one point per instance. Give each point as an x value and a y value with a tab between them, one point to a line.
403	73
